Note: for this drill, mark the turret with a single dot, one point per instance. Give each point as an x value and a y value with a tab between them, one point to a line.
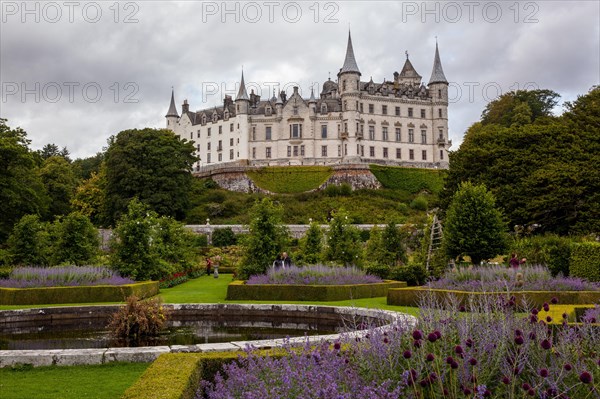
172	115
242	101
349	74
438	84
438	90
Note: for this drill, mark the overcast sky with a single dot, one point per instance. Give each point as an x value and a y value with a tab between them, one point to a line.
74	73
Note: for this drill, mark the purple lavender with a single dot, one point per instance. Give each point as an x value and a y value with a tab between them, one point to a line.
314	275
63	276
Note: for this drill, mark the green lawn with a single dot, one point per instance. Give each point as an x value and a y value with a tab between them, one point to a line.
107	381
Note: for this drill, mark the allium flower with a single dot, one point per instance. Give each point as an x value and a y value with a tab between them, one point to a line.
534	311
519	340
473	361
430	357
518	332
568	367
546	307
432	337
417	343
531	392
565	316
505	380
526	386
549	319
469	343
585	377
532	335
454	365
407	354
337	346
417	335
458	350
546	344
438	334
544	373
554	300
449	360
467	391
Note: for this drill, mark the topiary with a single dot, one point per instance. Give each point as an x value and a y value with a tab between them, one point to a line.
585	261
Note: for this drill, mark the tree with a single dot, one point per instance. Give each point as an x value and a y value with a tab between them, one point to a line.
89	198
223	237
84	168
520	106
393	245
28	242
343	240
52	150
21	189
60	182
312	244
267	238
473	225
148	247
153	165
76	240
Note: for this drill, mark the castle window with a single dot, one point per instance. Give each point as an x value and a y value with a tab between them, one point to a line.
346	127
411	135
345	149
268	152
231	127
231	142
208	134
296	131
384	109
220	146
361	107
424	136
253	152
343	84
253	133
323	108
439	93
295	110
356	105
345	105
198	133
397	111
371	132
410	112
411	154
208	157
302	150
339	150
226	115
362	128
323	131
385	152
372	152
208	146
424	155
371	108
268	133
295	150
398	136
385	133
362	150
191	135
231	154
268	111
289	151
198	147
423	113
398	153
441	154
220	129
215	117
439	112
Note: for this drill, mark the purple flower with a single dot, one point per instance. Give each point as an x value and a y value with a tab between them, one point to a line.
544	373
458	350
546	307
469	343
407	354
546	344
554	300
417	335
417	343
473	361
505	380
454	365
430	357
549	319
519	340
526	386
337	346
432	337
532	335
518	332
585	377
568	367
531	392
438	334
449	360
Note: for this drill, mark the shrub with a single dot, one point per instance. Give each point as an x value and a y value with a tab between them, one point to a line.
419	203
343	240
138	319
379	270
412	180
314	275
413	274
585	261
28	242
312	244
549	249
76	240
62	276
290	179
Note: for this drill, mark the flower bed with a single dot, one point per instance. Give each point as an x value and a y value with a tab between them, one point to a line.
498	279
63	276
488	351
314	275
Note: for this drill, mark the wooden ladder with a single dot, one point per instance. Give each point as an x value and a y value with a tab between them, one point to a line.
435	239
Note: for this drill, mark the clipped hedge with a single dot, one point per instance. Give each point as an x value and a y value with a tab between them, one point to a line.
585	261
239	290
412	180
410	296
177	375
290	179
82	294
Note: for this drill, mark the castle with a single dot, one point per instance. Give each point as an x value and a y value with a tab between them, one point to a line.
400	122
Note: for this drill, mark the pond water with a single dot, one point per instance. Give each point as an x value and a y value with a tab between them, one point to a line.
93	334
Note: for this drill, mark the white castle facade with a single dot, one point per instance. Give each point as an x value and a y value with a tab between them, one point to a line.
400	122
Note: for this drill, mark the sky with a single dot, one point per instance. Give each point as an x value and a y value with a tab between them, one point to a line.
74	73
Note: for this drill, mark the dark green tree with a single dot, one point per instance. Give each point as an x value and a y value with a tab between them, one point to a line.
21	189
85	167
312	244
28	242
473	225
393	245
343	240
76	240
153	165
52	150
267	238
520	107
223	237
60	182
90	199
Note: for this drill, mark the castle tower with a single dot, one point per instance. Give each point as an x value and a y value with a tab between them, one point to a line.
349	90
242	101
172	115
242	105
438	88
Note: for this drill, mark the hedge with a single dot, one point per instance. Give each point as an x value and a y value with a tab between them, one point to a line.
239	290
410	296
412	180
585	261
177	375
290	179
82	294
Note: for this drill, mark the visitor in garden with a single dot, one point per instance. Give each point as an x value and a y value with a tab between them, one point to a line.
277	262
514	261
208	266
285	260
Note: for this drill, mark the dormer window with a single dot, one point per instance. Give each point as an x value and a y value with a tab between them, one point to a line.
323	108
226	115
268	111
215	117
295	110
203	119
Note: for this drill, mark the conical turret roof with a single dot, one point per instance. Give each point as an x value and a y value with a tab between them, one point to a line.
408	70
172	108
242	93
437	74
350	64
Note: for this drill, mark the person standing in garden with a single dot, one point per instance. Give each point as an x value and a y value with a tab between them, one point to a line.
514	261
285	260
208	266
